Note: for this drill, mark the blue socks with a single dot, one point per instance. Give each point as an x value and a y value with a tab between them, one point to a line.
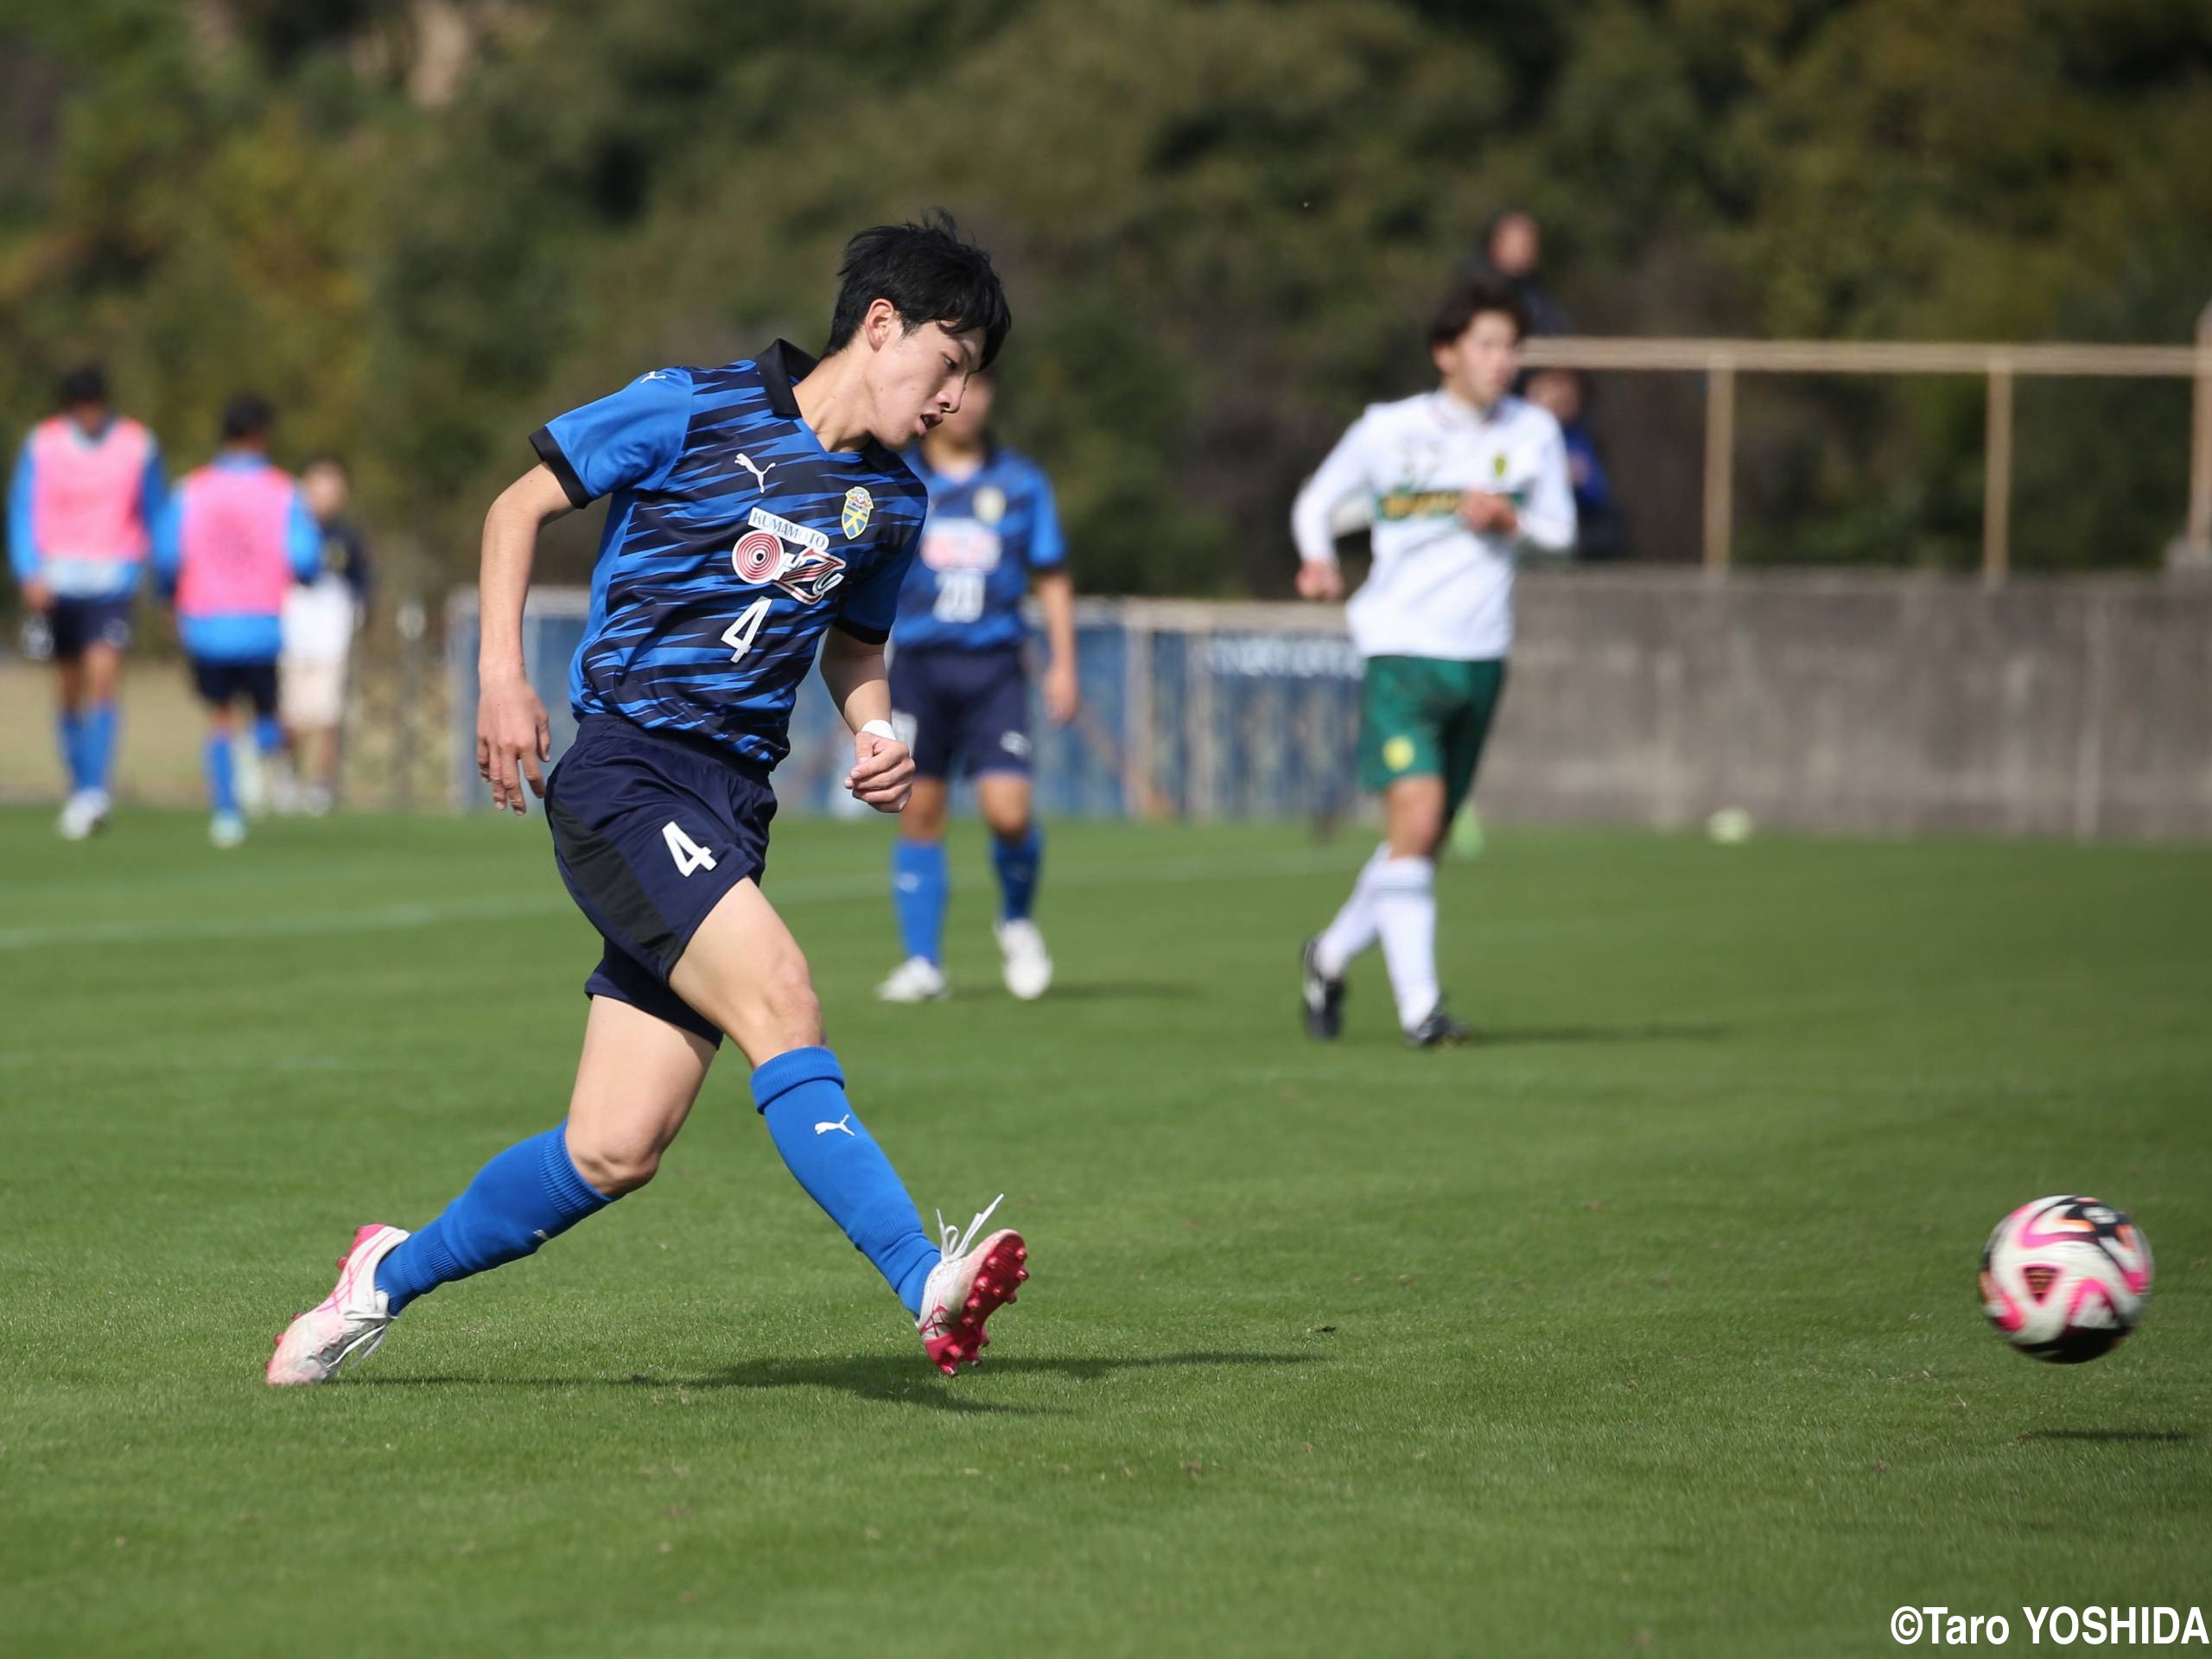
532	1192
222	769
801	1096
69	733
919	885
528	1194
1019	864
96	732
222	781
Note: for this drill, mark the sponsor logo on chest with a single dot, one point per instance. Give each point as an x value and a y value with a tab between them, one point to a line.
793	557
1435	476
960	545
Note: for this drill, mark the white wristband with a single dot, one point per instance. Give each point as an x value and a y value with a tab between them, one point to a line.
881	729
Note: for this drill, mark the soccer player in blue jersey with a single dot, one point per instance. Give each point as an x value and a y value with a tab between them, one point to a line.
959	691
756	514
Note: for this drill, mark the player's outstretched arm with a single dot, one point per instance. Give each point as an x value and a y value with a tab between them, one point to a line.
512	739
1340	477
883	772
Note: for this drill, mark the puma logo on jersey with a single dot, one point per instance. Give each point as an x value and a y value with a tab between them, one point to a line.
759	472
844	1123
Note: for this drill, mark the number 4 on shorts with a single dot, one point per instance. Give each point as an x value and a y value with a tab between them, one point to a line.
689	855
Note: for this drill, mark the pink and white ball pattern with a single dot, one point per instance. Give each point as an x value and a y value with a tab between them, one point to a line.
2064	1279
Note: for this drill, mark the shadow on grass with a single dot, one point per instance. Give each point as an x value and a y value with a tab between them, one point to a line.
894	1381
2114	1436
1490	1036
1122	990
881	1377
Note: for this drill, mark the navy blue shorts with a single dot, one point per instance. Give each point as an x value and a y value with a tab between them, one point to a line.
970	705
650	830
79	623
218	683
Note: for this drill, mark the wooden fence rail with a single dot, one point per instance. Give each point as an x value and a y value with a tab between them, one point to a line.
1721	360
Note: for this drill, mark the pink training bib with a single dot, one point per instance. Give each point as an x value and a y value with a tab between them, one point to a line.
85	497
233	527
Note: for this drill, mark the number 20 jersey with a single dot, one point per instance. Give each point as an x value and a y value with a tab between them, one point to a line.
734	540
988	533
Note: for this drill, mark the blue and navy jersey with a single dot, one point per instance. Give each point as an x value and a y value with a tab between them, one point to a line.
733	540
988	533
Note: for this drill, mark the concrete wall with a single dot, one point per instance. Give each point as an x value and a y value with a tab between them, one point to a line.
1861	702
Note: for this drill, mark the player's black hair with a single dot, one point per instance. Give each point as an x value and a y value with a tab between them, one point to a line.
247	415
930	273
1468	301
85	384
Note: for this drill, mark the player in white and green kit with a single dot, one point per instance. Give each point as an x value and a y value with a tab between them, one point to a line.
1458	483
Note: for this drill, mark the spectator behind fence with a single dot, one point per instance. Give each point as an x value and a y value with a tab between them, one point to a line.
321	618
1513	249
1564	392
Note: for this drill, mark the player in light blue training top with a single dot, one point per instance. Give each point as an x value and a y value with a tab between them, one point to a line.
961	693
757	516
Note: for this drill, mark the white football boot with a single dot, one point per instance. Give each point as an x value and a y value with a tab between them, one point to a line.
967	1287
347	1323
1028	969
226	831
915	979
86	811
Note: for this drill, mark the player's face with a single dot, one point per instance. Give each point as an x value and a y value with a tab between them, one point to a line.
1558	391
963	429
1481	364
916	378
324	486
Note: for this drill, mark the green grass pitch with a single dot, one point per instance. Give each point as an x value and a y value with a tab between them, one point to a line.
1648	1324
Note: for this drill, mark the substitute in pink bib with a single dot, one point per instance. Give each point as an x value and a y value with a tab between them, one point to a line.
87	487
235	538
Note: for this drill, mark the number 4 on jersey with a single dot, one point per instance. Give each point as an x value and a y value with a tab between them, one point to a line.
689	855
739	635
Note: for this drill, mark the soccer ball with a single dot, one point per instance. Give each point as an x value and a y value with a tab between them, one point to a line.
2065	1277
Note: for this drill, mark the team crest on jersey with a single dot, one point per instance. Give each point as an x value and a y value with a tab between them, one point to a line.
1498	466
859	504
990	504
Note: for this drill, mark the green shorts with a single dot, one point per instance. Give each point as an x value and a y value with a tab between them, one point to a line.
1426	717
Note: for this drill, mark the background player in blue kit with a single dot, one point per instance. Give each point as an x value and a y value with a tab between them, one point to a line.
960	690
756	514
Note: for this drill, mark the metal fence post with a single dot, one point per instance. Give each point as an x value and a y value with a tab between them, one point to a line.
413	622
